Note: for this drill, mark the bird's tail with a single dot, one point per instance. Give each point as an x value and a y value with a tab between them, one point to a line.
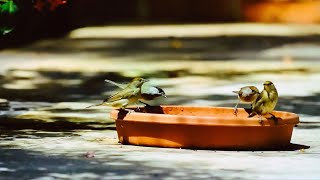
122	86
94	105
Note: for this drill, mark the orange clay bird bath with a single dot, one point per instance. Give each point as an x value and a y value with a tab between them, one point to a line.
199	127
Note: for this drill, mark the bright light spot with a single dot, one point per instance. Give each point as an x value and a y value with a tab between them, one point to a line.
192	30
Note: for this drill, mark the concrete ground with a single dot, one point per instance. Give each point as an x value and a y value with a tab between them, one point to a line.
46	132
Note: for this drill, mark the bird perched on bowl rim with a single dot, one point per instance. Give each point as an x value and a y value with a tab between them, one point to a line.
148	92
266	101
247	94
129	95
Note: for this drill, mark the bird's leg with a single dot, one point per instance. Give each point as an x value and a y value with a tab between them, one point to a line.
138	108
235	111
260	119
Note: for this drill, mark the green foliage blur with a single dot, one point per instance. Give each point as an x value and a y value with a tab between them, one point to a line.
8	6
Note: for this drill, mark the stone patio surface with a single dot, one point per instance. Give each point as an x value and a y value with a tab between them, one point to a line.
47	133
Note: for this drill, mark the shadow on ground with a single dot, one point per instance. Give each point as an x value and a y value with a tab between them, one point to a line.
25	164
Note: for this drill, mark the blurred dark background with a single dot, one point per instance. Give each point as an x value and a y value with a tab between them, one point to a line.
30	24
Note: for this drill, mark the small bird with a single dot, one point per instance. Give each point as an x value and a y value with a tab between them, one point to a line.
266	101
247	94
147	92
129	95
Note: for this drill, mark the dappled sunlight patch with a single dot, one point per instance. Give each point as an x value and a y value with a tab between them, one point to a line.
20	84
4	169
196	30
68	116
83	175
297	50
72	145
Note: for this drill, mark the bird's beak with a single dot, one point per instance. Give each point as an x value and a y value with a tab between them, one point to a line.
237	92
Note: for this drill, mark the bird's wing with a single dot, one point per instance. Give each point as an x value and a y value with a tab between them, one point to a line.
123	94
273	96
122	86
120	103
261	99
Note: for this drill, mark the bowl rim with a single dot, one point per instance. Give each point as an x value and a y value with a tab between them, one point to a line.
290	118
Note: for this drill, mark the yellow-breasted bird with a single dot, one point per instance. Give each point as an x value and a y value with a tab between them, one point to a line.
266	101
148	92
129	95
247	94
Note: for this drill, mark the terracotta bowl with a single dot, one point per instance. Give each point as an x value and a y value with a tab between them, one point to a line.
203	128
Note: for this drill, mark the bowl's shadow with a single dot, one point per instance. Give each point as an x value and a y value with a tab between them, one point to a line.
294	147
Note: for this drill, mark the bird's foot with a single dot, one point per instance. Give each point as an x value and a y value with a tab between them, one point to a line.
260	120
235	111
137	109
